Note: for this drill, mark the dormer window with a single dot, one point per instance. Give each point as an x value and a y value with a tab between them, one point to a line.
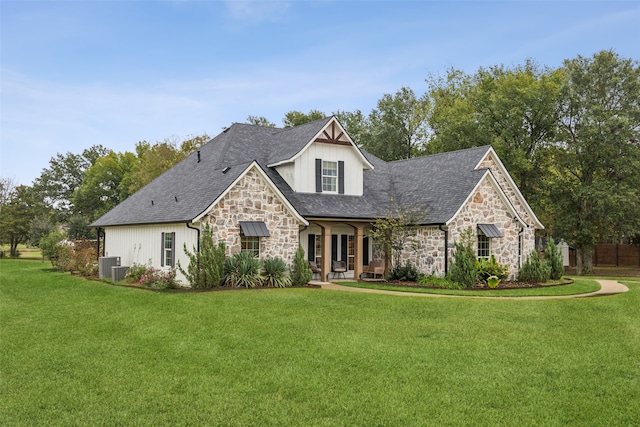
329	176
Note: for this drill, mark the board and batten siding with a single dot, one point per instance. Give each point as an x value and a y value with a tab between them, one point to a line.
142	244
301	177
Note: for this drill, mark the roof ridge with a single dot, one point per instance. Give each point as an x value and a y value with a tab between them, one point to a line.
439	154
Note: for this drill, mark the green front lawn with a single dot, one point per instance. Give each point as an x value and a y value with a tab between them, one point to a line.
76	352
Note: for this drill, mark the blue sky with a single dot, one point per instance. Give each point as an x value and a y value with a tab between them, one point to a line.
79	73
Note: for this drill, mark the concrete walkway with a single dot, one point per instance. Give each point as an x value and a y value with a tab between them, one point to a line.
607	287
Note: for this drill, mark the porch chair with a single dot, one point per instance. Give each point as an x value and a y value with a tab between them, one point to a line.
338	267
315	269
375	268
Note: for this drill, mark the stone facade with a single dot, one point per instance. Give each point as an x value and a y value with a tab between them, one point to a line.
252	199
484	206
529	232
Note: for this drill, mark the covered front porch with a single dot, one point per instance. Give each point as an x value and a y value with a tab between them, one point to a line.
327	243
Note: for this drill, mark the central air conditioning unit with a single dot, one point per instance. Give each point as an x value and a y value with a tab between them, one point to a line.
105	264
118	273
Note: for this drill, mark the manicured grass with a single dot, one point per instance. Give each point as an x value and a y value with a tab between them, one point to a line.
25	252
75	352
580	286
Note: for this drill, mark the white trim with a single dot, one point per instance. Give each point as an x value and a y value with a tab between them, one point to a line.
271	185
367	164
513	185
503	196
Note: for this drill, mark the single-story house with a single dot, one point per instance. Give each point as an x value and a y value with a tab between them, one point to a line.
268	190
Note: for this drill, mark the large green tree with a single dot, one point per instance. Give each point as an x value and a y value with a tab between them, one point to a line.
102	187
596	188
152	160
65	173
16	215
397	128
513	109
297	118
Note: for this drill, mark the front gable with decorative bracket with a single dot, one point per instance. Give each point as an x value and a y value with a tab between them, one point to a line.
329	163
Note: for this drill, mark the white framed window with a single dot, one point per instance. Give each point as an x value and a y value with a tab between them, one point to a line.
351	252
250	244
318	249
168	257
484	246
329	176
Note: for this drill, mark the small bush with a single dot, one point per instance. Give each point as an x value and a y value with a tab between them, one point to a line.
405	273
136	271
439	282
85	262
554	258
62	258
242	269
463	269
490	267
147	276
534	270
206	266
301	274
274	273
159	279
493	281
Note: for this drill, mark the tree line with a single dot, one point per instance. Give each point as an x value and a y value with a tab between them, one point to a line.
569	137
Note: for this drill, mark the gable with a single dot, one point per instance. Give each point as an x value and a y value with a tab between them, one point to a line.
255	188
492	162
486	200
331	133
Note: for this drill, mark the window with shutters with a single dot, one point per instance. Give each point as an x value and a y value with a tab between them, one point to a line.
329	176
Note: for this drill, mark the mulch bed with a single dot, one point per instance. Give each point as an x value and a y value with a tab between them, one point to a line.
482	286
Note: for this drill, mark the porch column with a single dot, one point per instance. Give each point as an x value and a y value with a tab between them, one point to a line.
326	250
358	235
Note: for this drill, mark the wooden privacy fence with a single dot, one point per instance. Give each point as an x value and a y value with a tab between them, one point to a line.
613	255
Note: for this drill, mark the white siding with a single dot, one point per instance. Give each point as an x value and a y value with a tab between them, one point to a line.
287	173
304	178
142	244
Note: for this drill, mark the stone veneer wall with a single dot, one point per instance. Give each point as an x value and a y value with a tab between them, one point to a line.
251	199
529	233
485	206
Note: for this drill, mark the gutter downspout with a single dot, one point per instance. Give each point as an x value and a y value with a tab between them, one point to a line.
198	230
98	231
520	247
446	248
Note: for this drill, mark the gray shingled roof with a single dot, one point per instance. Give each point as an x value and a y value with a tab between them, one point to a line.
437	184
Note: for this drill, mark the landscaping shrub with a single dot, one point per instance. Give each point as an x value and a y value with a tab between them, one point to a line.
301	274
534	270
242	269
490	267
439	282
274	273
49	244
136	271
159	279
85	262
62	259
463	269
206	266
553	257
405	273
147	276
